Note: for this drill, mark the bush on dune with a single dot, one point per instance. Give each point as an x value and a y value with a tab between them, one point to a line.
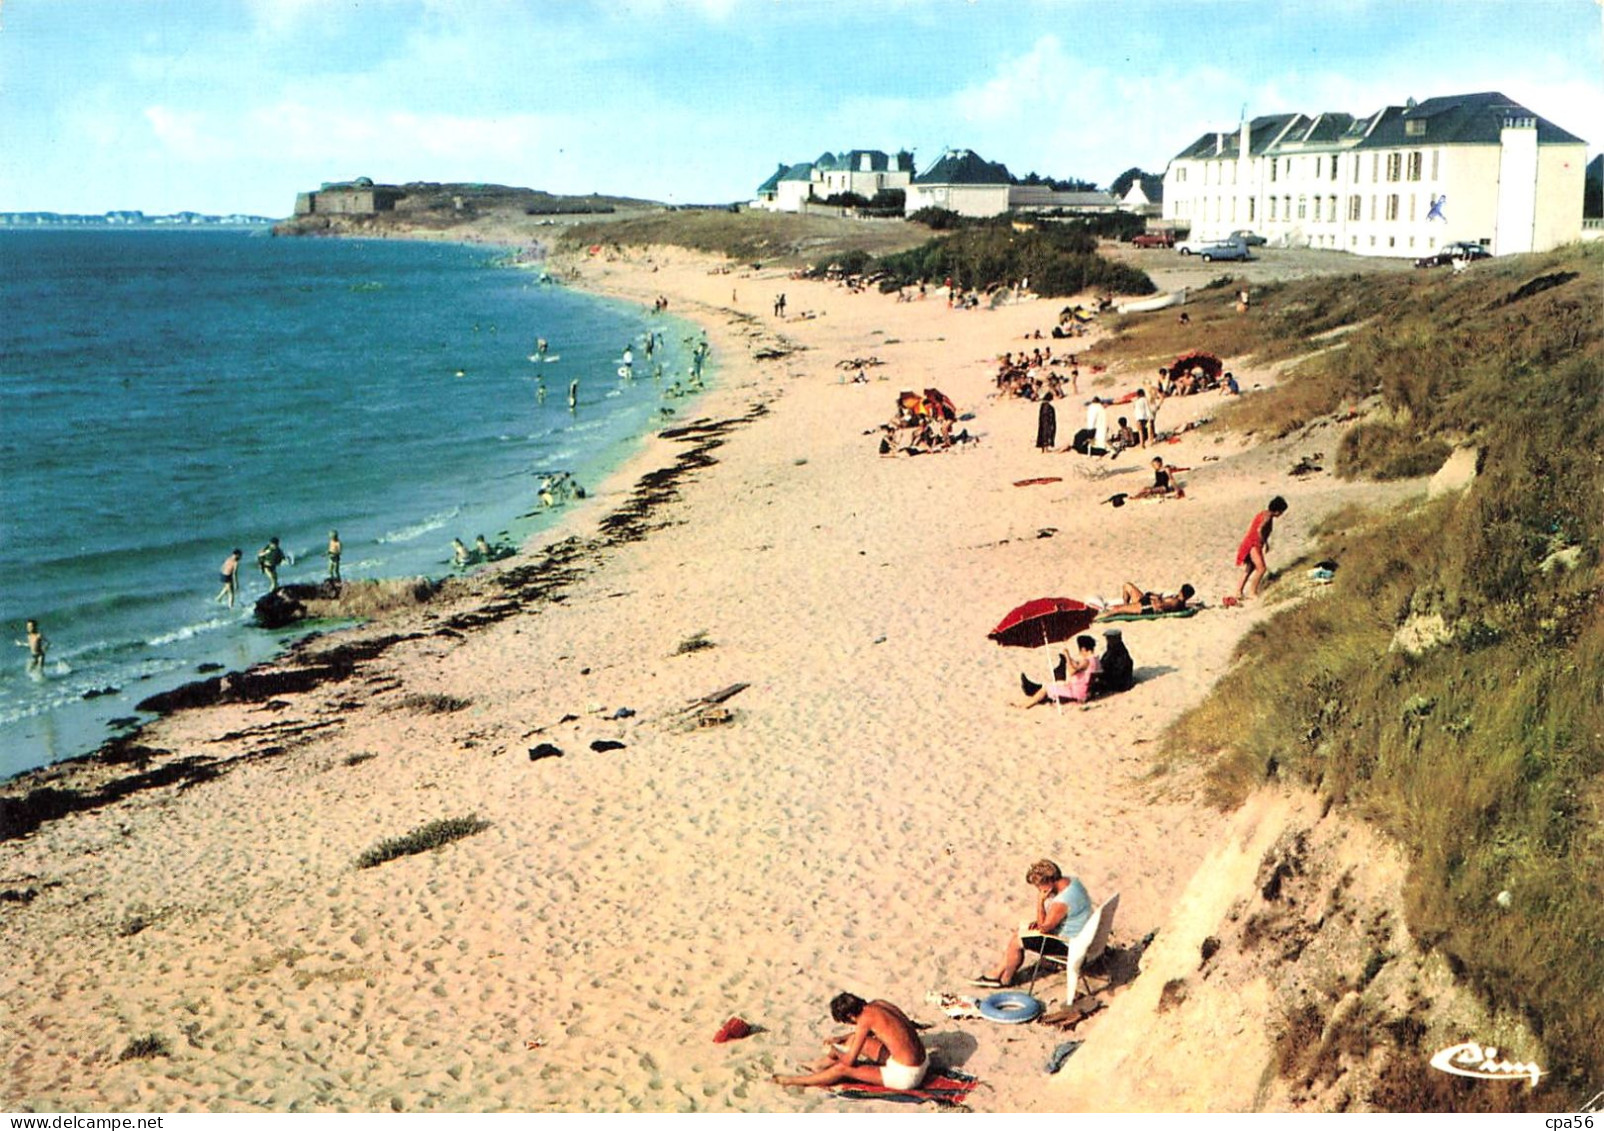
1480	753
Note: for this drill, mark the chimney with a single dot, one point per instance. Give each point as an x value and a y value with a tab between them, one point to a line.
1245	150
1219	143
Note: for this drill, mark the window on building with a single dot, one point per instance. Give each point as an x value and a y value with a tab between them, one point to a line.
1375	167
1303	207
1252	201
1392	206
1317	161
1435	153
1286	207
1333	166
1372	209
1355	168
1412	208
1274	165
1414	165
1331	208
1415	127
1355	204
1272	210
1394	166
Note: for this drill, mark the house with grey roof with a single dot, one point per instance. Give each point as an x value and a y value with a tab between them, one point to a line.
865	172
1402	181
961	181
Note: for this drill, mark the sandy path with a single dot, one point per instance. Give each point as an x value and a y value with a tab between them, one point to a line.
864	822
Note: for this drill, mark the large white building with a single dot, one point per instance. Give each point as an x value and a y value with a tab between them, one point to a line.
1402	182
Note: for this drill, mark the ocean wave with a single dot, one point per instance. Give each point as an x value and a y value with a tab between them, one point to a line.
418	530
190	631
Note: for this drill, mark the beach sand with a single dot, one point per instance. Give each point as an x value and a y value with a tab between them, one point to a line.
862	819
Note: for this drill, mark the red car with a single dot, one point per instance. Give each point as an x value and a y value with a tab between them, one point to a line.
1154	239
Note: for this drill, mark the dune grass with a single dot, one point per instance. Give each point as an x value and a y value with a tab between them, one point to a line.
424	838
1484	754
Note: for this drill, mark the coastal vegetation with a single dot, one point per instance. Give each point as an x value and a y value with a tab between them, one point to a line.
1057	259
424	838
1449	683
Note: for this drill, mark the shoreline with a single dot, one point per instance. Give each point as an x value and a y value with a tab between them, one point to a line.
859	818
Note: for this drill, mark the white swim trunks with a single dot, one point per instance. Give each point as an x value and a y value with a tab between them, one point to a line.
903	1077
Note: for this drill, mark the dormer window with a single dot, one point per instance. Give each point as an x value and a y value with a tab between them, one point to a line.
1415	127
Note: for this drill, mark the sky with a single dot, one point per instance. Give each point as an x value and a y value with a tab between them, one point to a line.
236	105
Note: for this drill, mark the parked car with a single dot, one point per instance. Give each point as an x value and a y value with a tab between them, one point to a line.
1210	250
1460	249
1154	239
1252	239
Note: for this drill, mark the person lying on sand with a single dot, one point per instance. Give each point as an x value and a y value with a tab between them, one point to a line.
1142	602
1063	907
1076	688
883	1048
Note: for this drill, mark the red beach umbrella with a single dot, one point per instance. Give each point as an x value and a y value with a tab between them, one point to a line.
1046	620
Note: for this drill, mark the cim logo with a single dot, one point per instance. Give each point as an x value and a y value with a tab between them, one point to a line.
1472	1059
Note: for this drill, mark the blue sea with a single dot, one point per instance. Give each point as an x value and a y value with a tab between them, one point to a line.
168	396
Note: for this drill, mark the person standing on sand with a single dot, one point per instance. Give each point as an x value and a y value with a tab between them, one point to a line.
334	555
779	306
1250	554
1063	907
37	644
883	1048
229	572
1046	424
268	559
1144	417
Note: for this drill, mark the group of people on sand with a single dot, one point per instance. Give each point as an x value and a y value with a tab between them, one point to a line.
1032	376
1184	383
1085	675
1097	437
884	1046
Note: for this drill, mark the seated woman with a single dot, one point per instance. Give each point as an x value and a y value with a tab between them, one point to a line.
1076	688
1141	602
1163	482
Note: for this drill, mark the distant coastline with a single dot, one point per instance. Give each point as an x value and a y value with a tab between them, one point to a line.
131	219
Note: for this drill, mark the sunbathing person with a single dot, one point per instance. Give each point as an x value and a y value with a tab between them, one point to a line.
1163	482
1141	602
1063	907
1076	688
883	1048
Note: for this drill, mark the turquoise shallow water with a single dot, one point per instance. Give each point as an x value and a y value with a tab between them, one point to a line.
167	396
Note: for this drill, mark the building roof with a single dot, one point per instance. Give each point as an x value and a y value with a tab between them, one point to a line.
802	171
1461	119
964	167
774	180
852	161
1458	119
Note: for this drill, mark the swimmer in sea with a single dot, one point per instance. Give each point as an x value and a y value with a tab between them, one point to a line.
573	395
540	393
459	552
540	347
37	645
229	572
482	548
629	356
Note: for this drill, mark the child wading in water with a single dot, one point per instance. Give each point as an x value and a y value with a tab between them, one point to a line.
37	645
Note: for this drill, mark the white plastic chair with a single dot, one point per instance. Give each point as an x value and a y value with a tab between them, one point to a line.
1088	945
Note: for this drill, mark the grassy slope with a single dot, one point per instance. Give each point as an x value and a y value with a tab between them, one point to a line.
1482	755
750	237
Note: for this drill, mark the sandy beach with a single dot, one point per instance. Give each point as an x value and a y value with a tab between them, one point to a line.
860	816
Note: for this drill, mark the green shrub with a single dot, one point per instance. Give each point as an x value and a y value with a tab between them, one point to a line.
422	839
146	1047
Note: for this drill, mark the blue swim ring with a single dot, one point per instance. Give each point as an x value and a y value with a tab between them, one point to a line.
1010	1007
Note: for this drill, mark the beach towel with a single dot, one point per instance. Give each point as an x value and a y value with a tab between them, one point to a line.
1038	480
946	1089
1189	611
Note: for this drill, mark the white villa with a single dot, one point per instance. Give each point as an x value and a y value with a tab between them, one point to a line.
1402	182
861	171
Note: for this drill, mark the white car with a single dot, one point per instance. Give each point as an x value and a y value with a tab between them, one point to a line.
1209	250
